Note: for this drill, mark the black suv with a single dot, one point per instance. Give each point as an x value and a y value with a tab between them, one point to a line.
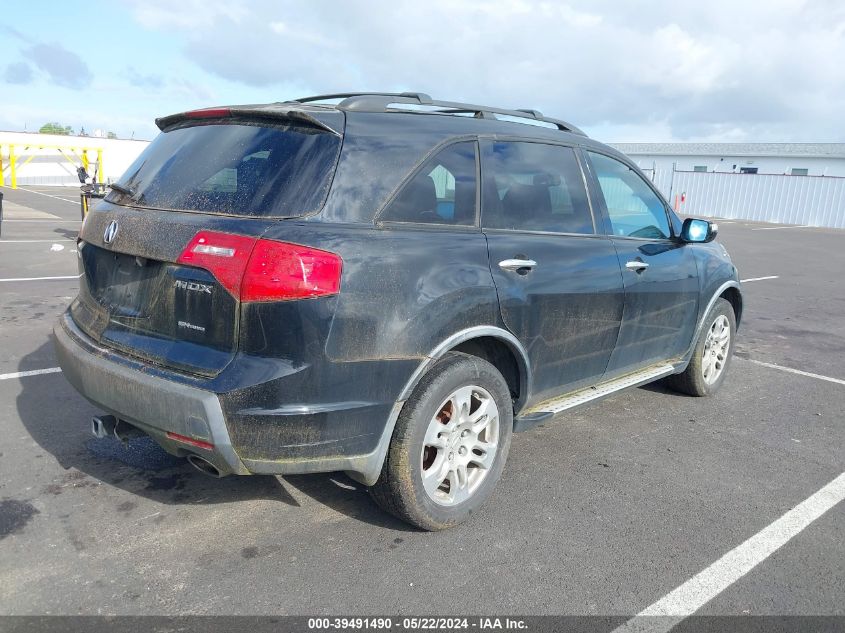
387	285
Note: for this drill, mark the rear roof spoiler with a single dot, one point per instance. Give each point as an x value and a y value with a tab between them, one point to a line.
322	119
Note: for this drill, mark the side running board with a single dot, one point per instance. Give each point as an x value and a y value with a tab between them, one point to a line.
545	410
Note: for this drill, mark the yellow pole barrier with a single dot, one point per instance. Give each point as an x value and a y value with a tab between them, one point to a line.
85	158
27	161
68	158
14	175
100	164
2	173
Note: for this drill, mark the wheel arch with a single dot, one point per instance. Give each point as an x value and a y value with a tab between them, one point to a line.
730	291
495	345
494	342
733	295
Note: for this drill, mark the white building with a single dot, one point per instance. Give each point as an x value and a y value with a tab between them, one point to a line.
792	159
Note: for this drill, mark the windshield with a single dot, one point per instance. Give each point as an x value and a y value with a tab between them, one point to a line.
236	168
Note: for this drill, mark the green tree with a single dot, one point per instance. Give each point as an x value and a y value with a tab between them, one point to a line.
56	128
111	135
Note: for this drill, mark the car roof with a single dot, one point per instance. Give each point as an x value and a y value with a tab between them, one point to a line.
441	117
386	101
454	117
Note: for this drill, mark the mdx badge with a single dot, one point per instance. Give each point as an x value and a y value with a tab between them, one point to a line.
111	232
193	286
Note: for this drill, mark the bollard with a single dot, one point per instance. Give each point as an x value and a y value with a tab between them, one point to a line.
1	213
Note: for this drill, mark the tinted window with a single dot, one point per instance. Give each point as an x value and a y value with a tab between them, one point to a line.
442	191
234	168
634	209
534	187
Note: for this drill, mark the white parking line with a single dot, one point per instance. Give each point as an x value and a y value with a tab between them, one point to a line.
778	228
49	195
53	221
60	239
838	381
40	278
745	281
34	372
707	584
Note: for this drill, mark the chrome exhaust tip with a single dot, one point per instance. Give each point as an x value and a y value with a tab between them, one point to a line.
204	466
103	425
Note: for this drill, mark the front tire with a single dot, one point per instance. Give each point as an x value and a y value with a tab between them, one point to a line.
712	354
449	446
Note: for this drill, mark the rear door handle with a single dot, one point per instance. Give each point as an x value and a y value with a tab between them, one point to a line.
636	265
516	264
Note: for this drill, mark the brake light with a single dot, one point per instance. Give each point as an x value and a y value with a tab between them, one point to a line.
278	271
264	270
222	254
208	113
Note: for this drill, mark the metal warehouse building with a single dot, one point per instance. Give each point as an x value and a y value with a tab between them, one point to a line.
791	183
793	159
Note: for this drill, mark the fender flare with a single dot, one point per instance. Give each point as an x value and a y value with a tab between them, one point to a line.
466	335
733	283
369	472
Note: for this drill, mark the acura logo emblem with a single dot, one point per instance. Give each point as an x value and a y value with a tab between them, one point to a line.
111	232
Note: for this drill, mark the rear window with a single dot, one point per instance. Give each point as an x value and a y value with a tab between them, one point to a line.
235	168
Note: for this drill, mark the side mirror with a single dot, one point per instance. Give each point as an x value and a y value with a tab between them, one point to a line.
699	230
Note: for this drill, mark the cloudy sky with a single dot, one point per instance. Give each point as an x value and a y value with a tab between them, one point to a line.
758	70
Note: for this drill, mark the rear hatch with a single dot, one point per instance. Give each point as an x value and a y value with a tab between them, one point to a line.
163	256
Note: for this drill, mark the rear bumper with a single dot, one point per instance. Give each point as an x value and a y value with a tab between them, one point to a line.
349	437
153	404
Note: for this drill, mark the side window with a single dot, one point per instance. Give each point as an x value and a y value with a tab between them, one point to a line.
442	192
634	209
534	187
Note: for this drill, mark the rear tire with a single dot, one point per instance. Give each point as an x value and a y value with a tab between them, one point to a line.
449	446
712	355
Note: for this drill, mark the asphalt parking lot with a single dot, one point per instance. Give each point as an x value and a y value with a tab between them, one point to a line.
602	511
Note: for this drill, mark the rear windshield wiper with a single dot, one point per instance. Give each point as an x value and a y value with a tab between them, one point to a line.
124	190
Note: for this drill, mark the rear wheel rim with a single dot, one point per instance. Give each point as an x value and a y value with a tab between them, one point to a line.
460	445
716	348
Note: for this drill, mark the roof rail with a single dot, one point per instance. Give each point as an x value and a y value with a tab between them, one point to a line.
381	101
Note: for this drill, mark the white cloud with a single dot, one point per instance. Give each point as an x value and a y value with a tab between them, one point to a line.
568	14
186	14
763	69
687	65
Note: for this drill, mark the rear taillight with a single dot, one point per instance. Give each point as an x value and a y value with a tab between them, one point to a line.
222	254
254	269
277	271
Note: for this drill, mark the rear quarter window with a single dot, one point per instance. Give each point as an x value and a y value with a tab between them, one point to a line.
443	191
235	168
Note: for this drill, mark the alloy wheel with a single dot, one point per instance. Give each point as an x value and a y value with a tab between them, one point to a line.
460	445
716	348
